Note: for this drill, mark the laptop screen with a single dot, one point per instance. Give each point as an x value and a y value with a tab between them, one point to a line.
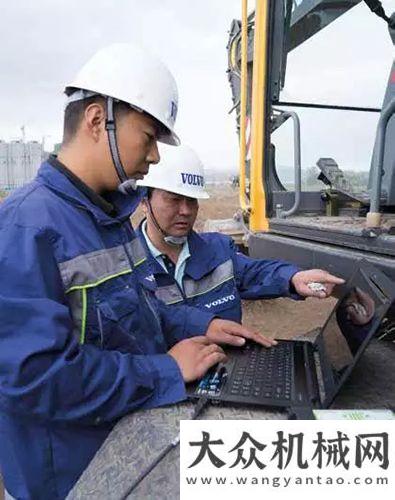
352	323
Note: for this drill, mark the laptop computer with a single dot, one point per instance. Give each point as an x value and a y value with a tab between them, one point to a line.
305	374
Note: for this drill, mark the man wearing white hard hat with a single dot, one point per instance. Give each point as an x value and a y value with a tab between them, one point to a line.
206	270
83	338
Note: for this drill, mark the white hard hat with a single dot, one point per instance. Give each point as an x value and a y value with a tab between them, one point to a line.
132	75
179	171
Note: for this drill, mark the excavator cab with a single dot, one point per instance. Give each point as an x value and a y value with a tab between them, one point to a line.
337	225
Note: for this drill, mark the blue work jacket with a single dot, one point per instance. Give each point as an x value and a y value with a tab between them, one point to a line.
83	338
217	276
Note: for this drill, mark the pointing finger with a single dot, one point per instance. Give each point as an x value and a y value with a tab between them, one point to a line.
329	278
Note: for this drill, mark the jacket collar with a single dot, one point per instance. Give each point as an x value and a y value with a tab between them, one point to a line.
154	264
64	186
203	259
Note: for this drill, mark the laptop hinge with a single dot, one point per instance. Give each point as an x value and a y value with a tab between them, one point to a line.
309	365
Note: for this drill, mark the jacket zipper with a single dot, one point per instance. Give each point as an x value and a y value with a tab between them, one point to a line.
100	323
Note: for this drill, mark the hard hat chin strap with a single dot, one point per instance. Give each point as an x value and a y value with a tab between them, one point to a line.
126	185
170	240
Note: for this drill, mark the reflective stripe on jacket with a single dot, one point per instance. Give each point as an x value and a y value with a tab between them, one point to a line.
83	338
217	277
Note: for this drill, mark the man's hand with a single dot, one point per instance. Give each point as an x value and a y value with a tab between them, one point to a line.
302	279
195	356
222	331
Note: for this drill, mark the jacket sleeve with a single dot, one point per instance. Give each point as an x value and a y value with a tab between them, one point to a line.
182	322
262	278
44	372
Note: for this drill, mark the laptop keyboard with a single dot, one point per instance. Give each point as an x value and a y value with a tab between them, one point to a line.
263	373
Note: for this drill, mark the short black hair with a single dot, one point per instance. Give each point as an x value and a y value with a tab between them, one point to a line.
75	111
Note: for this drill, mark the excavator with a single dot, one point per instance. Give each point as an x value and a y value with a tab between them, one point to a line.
332	228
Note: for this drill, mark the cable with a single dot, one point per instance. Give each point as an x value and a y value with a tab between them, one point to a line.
199	407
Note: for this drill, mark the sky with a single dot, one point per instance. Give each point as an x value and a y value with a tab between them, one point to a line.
45	42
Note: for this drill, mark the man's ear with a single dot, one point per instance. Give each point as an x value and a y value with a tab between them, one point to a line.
94	120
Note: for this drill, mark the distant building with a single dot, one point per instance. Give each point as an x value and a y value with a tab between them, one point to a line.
19	162
3	164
